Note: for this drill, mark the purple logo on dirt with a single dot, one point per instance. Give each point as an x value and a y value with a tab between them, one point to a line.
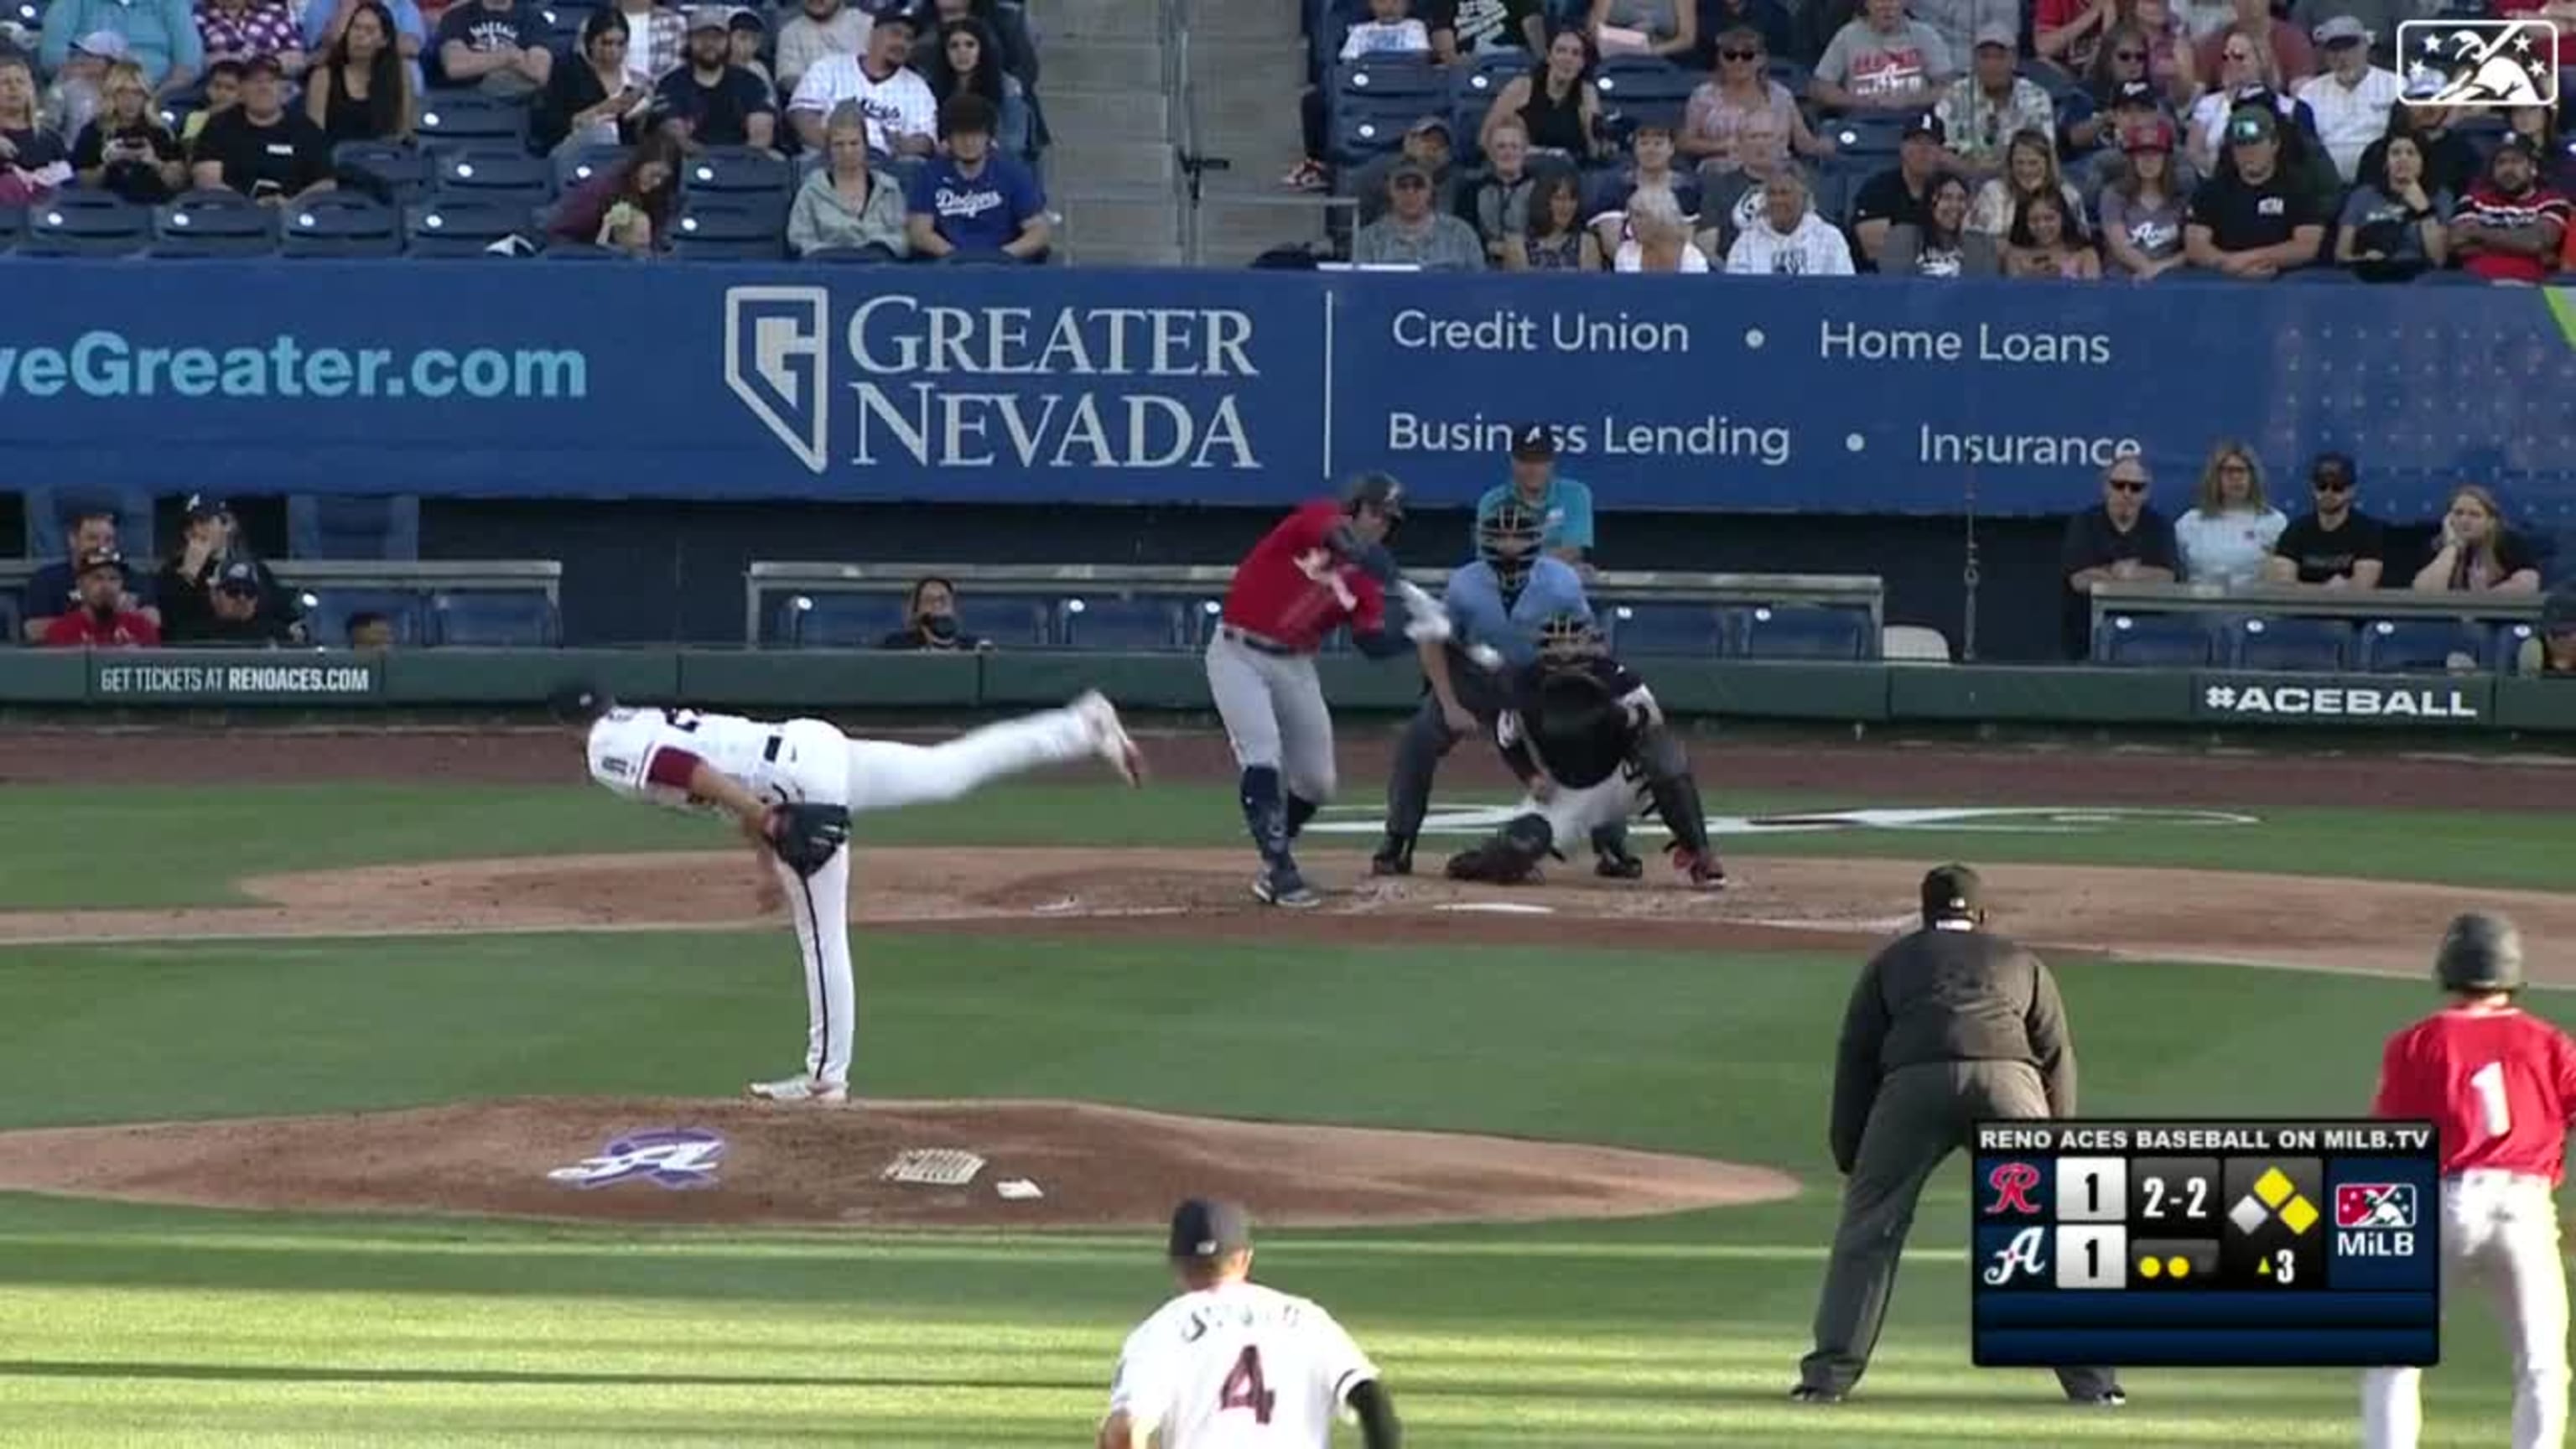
667	1157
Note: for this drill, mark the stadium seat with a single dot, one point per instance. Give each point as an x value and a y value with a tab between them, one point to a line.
213	224
2504	650
741	176
482	173
1623	79
838	620
2407	646
86	224
13	225
589	161
1366	127
501	619
340	224
50	511
712	233
1120	622
394	172
1667	629
1859	136
2322	645
1799	631
470	118
1381	78
2154	641
466	228
9	621
322	526
327	612
29	13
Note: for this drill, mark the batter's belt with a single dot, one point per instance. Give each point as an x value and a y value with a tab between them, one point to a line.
1258	643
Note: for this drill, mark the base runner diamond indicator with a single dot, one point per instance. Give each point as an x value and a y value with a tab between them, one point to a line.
2273	1186
2248	1215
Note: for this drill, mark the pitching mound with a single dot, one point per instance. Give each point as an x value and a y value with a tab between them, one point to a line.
1034	1164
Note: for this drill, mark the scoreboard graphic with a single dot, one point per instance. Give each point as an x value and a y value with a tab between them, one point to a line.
2139	1244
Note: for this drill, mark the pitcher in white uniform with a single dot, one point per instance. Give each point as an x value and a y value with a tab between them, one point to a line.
1230	1364
773	778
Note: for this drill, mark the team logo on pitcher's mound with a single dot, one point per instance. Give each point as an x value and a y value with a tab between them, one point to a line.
669	1157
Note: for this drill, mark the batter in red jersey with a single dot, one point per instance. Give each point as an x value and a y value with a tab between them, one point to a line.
2500	1085
1324	566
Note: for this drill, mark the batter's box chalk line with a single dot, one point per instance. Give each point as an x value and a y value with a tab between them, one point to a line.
934	1167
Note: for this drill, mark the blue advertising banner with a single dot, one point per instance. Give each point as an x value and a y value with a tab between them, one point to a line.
1864	395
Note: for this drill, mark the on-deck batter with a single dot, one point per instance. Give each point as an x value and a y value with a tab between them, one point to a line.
792	787
2500	1087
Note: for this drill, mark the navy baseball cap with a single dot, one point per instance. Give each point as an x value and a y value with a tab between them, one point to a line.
1926	124
2558	616
98	558
239	578
1952	893
206	505
1206	1227
1533	441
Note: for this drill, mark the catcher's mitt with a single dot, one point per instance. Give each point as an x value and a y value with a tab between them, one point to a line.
807	836
1510	856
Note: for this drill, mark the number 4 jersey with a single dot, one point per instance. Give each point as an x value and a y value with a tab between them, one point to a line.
1239	1366
2499	1085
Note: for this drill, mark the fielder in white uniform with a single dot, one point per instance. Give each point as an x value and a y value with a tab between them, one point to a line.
771	777
1230	1364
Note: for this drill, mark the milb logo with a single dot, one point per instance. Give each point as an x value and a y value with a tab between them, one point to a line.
2375	1219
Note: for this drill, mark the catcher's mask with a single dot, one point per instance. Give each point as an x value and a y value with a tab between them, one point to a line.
1569	638
1507	540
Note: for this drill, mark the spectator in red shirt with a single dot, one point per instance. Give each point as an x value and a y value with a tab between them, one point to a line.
2510	226
102	621
55	589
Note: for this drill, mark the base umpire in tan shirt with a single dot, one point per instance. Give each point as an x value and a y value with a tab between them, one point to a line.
1946	1026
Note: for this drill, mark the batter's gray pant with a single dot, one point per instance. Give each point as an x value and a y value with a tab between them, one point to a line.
1922	1113
1274	713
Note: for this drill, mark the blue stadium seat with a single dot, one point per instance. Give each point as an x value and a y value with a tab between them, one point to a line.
13	225
589	161
29	13
1859	136
470	118
2324	645
86	224
324	526
466	228
2155	641
1624	79
340	224
2410	646
1694	630
213	224
839	620
327	615
714	233
1792	76
482	173
9	620
396	173
2504	650
1800	631
51	509
1365	127
500	619
1119	622
740	176
1419	80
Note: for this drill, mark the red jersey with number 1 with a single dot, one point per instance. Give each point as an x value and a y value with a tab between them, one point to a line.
1291	589
2501	1086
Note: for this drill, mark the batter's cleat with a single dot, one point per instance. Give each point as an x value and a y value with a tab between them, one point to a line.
2107	1399
1613	862
1110	737
1394	857
1285	888
803	1090
1810	1394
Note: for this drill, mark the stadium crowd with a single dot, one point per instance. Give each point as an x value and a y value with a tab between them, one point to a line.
2075	140
909	130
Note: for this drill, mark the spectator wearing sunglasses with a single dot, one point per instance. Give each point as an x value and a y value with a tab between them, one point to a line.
2333	545
2117	541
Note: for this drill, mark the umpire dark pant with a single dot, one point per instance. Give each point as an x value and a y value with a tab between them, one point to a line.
1427	740
1921	1115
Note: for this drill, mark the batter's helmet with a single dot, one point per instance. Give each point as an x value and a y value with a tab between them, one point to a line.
2480	952
579	702
1507	539
1380	491
1570	636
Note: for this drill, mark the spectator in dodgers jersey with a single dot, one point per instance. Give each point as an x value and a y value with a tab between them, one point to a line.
263	148
498	46
1895	197
102	620
2119	540
1562	505
1230	1362
710	101
1790	240
1412	233
845	205
974	203
2351	101
2510	226
1882	61
55	589
1948	1025
2334	545
903	117
819	28
2478	553
2228	535
1992	104
2252	221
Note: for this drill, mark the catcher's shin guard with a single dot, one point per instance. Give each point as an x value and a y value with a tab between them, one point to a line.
1676	800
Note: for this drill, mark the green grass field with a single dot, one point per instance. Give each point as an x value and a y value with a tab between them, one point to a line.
126	1325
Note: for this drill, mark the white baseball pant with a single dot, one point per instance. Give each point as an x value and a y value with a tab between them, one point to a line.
2500	1229
1572	815
866	775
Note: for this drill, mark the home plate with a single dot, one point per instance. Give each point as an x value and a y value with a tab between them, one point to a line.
1498	908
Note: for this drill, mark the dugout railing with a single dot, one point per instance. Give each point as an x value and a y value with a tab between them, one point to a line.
2279	626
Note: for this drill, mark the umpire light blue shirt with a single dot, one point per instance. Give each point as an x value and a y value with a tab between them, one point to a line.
1566	507
1476	606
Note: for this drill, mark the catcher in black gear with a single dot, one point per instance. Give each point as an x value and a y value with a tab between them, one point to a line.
1584	733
